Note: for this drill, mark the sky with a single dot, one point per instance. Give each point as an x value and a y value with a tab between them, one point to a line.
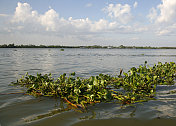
88	22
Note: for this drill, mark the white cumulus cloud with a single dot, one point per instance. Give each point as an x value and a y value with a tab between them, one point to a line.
24	13
80	24
49	20
164	17
164	12
28	21
167	11
121	13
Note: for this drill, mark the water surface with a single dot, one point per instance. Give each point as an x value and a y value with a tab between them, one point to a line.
20	109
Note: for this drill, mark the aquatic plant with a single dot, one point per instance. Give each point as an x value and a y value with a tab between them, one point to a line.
137	85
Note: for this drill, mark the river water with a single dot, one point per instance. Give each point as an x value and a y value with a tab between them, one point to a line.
20	109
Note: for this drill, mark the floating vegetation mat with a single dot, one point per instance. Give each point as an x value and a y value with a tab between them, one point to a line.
137	85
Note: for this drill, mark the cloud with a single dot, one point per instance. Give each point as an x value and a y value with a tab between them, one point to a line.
80	24
135	4
24	13
163	32
49	20
169	30
167	11
152	14
27	21
164	12
164	17
121	13
89	5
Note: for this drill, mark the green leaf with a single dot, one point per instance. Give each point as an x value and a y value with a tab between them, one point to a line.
73	74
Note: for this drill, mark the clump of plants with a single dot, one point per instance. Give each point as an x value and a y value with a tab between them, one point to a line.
137	85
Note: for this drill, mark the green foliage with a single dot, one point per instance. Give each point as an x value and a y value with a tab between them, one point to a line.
137	85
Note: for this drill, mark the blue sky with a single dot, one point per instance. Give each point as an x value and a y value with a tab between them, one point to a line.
88	22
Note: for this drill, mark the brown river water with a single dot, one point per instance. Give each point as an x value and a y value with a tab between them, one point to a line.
24	110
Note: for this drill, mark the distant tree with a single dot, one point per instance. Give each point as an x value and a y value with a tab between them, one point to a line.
11	45
4	46
121	46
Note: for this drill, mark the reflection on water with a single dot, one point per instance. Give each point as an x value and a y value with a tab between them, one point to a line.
19	109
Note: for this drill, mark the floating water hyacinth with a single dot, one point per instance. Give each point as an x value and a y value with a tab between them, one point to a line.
137	85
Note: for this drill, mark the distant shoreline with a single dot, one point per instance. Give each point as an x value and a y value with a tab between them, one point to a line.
83	47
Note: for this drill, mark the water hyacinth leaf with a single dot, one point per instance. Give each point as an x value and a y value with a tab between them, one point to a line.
73	74
125	74
137	85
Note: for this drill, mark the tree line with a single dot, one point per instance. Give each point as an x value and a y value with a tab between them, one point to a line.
88	47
